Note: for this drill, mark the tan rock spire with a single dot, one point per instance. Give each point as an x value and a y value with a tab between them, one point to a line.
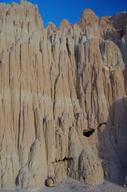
64	23
88	16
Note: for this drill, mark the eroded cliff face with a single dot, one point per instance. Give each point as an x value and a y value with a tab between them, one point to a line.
54	83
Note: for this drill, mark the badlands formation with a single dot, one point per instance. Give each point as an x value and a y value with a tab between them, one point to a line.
63	98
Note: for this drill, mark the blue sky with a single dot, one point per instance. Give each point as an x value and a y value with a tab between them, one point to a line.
56	10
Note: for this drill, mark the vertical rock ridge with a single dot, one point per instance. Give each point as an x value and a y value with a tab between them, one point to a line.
55	83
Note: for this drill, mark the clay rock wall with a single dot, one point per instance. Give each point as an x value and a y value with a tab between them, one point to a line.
54	83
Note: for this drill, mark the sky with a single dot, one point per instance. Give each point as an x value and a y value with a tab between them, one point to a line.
56	10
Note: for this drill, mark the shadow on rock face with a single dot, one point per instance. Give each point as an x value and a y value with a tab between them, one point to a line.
113	143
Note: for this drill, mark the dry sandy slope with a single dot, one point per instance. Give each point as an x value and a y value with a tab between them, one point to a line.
70	185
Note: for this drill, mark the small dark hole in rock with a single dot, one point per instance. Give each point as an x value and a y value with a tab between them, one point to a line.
88	132
60	121
17	181
44	120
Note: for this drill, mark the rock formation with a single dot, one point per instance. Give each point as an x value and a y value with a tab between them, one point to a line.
54	83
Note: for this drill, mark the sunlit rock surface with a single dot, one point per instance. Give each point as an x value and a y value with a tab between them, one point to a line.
54	83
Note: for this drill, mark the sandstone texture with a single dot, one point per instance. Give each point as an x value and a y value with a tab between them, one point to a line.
54	83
